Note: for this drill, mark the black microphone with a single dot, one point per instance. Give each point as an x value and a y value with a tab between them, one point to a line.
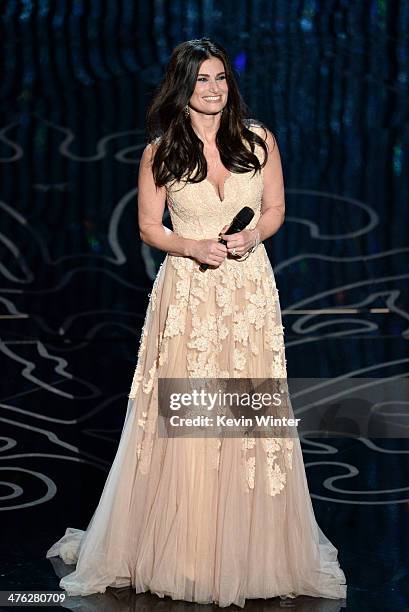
240	221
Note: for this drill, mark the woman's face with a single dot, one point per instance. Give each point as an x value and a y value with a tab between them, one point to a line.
211	90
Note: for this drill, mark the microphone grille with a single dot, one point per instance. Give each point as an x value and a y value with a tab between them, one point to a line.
244	216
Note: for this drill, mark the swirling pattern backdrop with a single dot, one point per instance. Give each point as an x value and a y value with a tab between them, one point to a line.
330	79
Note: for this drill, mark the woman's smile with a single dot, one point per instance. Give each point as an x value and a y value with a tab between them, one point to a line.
212	98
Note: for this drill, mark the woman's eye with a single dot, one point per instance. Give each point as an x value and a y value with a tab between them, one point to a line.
204	78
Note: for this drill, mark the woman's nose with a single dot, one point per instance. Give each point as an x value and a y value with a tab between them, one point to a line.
214	86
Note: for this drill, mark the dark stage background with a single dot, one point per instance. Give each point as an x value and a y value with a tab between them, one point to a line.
330	79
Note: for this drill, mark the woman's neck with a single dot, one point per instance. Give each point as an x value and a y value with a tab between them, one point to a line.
206	127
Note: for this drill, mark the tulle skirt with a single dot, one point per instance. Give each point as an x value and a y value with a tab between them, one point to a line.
204	519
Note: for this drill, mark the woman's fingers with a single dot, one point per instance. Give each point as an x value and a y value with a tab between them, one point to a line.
225	228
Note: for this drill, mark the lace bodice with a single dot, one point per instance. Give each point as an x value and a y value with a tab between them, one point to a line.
196	210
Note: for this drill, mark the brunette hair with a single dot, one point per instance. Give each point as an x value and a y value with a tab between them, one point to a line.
178	149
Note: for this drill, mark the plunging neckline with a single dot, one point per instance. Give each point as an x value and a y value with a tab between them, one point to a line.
216	190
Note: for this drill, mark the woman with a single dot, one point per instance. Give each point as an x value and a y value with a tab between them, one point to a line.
205	519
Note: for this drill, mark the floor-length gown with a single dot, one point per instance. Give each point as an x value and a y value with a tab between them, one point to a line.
206	519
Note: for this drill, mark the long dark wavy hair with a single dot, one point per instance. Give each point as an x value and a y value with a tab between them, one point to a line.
179	150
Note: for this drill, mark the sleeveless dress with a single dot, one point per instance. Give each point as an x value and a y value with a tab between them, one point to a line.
205	519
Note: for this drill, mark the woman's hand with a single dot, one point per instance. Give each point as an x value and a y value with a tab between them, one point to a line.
240	242
209	251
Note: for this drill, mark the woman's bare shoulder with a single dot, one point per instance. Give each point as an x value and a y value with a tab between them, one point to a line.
150	149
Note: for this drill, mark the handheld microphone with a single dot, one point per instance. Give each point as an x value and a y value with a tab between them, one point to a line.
240	221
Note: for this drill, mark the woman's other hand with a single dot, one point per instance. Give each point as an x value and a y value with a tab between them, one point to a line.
209	251
240	242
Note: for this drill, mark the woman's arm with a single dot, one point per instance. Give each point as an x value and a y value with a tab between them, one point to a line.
151	206
273	201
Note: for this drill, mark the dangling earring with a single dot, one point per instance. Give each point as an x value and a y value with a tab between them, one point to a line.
186	111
